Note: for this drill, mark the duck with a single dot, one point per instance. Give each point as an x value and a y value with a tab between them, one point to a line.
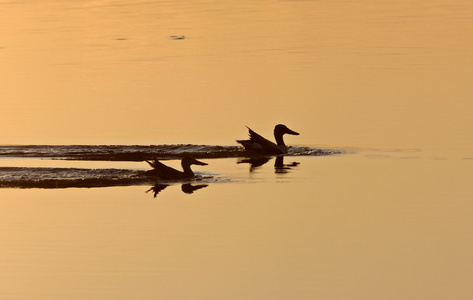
162	171
260	145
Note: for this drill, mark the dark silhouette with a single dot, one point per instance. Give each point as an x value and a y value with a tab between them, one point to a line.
189	188
260	145
280	167
186	188
162	171
157	188
255	162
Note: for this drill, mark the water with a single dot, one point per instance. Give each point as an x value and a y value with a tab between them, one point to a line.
359	225
381	89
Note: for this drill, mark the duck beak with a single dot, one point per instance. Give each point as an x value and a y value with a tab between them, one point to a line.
289	131
196	162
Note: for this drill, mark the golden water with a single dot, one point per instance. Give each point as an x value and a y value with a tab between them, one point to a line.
389	81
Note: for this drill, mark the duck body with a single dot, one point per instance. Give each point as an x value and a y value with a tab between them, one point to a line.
260	145
162	171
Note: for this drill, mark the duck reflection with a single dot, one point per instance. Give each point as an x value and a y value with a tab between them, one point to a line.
157	188
190	188
254	162
187	188
279	166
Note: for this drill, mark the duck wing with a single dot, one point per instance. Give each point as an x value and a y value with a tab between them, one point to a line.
259	144
163	171
256	138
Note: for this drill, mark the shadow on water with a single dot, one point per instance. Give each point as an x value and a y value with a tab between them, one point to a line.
186	188
279	166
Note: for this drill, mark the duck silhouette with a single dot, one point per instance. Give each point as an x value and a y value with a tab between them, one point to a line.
260	145
185	187
162	171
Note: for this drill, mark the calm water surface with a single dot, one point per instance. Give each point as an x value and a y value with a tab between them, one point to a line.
351	226
389	83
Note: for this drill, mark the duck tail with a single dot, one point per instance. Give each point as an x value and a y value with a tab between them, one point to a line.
152	163
245	143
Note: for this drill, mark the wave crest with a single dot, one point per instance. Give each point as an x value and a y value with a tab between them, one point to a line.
140	152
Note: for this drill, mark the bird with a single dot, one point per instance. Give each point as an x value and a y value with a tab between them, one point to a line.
260	145
162	171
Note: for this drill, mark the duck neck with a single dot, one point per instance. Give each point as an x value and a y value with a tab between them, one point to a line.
187	170
279	139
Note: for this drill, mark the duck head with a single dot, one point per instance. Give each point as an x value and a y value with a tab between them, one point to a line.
280	130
